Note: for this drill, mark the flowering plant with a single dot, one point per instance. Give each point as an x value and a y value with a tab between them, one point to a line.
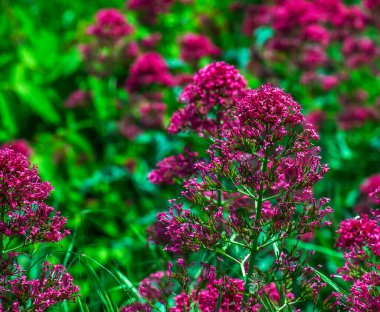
252	194
25	221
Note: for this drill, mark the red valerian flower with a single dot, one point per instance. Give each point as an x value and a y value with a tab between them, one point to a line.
150	68
213	90
110	25
194	47
22	195
78	98
54	285
359	238
263	150
174	167
149	9
20	146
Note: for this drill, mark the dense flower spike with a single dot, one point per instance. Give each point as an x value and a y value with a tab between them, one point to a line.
214	89
194	47
110	25
150	68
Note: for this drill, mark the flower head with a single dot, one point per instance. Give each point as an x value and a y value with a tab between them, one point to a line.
174	167
22	195
20	146
194	47
110	25
150	68
214	88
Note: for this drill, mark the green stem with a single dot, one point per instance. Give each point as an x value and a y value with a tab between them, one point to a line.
221	252
220	198
253	248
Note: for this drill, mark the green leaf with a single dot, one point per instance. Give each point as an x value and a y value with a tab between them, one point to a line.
331	283
310	246
6	116
34	97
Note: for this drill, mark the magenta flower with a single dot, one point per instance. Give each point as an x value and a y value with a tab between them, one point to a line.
329	81
370	184
149	69
356	116
152	114
174	167
78	98
214	89
357	233
313	57
137	307
359	238
372	4
149	9
25	219
194	47
256	182
316	119
110	25
22	195
54	285
20	146
359	51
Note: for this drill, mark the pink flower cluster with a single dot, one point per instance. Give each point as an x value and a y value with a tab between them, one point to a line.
25	216
110	25
205	293
172	168
354	117
53	286
369	194
194	47
359	232
213	90
20	146
149	10
359	238
322	42
150	68
25	219
78	98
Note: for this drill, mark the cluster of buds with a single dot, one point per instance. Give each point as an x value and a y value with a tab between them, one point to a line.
25	219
